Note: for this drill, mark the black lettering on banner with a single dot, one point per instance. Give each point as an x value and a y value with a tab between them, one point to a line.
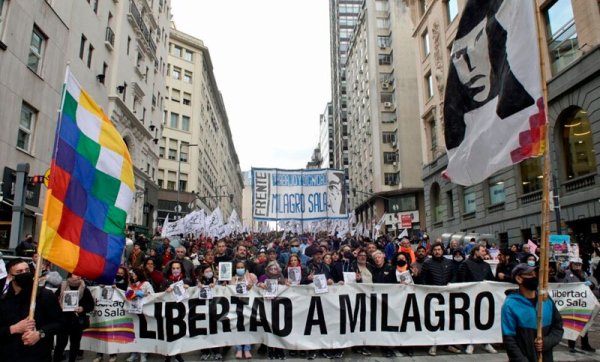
374	300
384	315
454	310
346	309
438	313
287	317
240	302
175	320
411	306
144	332
259	316
160	323
490	311
194	317
215	317
315	305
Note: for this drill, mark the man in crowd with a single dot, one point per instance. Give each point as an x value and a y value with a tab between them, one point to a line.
180	256
519	320
22	339
26	247
416	267
166	244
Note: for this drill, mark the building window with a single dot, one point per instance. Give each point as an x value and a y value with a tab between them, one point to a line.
187	99
185	123
187	77
36	50
161	151
90	54
449	204
188	55
496	189
388	137
469	199
172	154
175	95
381	5
390	157
128	44
425	43
82	46
174	120
183	152
451	10
432	136
177	51
577	144
388	117
383	23
422	7
429	85
563	44
26	127
437	208
171	180
384	41
183	182
176	73
391	179
160	183
532	174
3	13
384	59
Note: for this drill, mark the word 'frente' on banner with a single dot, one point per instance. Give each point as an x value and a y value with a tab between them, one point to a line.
348	315
298	194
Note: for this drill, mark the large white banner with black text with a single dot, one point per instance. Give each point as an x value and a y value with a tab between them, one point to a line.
298	318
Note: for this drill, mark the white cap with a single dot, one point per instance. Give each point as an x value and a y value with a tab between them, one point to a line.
576	260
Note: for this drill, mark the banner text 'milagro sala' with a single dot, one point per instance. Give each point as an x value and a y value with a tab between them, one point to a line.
89	192
493	108
298	194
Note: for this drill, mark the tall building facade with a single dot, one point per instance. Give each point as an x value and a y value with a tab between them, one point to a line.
198	165
382	113
344	15
326	136
117	50
508	204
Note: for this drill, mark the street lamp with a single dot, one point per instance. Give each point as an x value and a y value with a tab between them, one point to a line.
178	207
204	197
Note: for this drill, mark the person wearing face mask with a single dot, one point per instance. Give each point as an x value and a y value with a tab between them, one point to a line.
175	273
242	275
346	264
457	259
519	319
406	248
22	339
576	274
139	288
74	321
294	249
207	278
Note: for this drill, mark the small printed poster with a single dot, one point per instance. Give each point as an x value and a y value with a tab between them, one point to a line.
404	277
70	300
573	251
294	275
107	294
206	293
241	288
349	277
320	284
272	288
493	252
179	291
225	271
135	306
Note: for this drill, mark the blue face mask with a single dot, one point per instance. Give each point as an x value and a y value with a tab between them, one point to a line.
531	263
294	249
240	272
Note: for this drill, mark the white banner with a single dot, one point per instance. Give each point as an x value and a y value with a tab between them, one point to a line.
298	194
298	318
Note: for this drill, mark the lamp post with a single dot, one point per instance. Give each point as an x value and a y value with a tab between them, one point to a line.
217	197
178	206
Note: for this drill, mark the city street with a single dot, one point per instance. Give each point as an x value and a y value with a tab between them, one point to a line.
561	353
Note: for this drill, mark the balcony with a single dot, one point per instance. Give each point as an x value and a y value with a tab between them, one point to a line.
109	38
135	19
580	182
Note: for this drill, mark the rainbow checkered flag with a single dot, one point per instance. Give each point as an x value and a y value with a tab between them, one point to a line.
89	192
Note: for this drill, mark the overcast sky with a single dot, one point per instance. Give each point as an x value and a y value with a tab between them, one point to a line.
271	63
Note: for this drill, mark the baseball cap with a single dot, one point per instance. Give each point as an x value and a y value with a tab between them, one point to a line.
576	260
522	268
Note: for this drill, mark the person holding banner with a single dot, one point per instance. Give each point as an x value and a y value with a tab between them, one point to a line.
243	276
23	339
273	271
139	288
519	320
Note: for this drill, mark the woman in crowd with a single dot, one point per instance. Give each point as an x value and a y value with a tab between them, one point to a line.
328	260
294	262
174	275
273	271
74	321
152	274
166	258
243	276
139	288
207	278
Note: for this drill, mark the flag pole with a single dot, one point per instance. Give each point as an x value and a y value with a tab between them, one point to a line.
36	280
547	179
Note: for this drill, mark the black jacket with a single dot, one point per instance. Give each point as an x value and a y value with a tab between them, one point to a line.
48	317
437	271
474	270
73	320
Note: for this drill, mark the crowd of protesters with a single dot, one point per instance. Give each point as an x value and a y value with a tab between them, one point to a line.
149	268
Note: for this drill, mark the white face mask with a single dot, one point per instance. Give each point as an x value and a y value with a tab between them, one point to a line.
458	258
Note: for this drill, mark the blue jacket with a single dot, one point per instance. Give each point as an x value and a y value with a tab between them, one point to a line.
519	328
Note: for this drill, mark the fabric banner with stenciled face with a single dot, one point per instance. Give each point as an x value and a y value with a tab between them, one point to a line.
305	194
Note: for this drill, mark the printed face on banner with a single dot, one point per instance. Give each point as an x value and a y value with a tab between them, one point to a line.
335	196
70	300
107	293
205	293
225	271
294	275
472	61
272	287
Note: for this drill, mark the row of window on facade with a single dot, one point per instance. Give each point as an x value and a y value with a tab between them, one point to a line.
177	121
178	74
577	160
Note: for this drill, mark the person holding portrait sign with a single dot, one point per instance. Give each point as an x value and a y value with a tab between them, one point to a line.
245	280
